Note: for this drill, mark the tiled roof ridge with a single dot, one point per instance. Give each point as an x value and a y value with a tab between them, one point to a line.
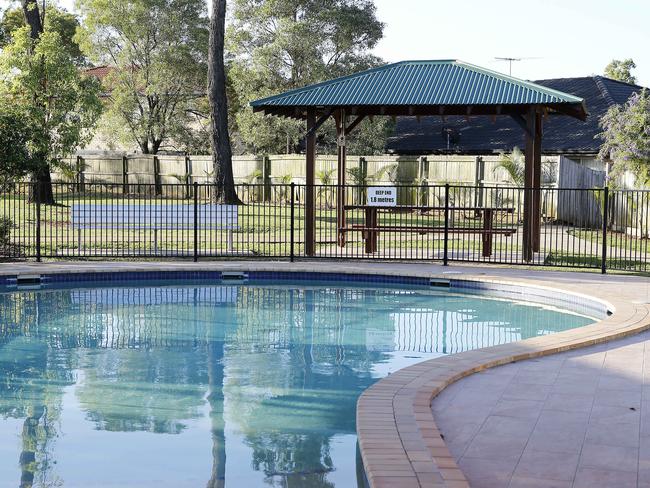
604	91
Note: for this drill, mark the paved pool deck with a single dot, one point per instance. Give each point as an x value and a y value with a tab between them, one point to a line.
539	412
574	419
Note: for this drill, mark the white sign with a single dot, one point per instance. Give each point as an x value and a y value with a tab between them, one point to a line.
382	196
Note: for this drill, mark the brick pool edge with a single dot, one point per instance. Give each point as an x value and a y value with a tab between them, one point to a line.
400	444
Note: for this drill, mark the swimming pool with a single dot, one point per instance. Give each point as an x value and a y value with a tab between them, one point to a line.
165	383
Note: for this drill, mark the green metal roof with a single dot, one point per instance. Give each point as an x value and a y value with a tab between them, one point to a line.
417	84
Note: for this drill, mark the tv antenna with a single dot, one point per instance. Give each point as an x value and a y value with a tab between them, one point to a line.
511	60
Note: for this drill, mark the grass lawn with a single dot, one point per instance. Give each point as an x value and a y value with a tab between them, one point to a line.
616	240
263	229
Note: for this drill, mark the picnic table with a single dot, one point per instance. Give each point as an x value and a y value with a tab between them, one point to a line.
371	228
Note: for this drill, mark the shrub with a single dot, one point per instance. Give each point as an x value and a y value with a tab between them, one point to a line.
6	225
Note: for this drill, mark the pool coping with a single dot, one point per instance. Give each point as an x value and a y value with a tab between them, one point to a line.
400	444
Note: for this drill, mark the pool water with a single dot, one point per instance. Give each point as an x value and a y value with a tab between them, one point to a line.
198	384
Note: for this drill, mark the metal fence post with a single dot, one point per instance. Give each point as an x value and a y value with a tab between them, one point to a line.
156	175
125	174
603	264
196	221
292	225
37	194
446	241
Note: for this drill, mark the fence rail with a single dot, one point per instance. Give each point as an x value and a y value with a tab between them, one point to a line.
609	229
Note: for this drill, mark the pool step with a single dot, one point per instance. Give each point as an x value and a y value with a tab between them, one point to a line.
439	283
234	276
29	281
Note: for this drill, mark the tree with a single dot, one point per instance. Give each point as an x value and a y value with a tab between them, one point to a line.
621	70
58	20
221	151
626	136
15	157
279	45
158	51
44	88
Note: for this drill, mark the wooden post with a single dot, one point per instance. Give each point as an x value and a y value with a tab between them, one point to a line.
310	215
363	177
188	176
266	179
487	232
341	123
80	173
372	222
537	182
532	180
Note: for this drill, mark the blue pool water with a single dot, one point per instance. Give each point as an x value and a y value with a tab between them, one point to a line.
168	384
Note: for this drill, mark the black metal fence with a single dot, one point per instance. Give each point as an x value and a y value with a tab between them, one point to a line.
582	228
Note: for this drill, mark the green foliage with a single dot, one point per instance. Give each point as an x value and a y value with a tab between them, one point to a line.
254	177
621	70
390	170
57	106
358	176
279	45
159	51
6	225
15	160
56	20
626	136
326	176
514	164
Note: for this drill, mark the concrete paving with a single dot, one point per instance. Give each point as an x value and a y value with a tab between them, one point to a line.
574	419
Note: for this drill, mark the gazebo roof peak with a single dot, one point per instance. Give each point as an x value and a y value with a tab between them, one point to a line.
422	87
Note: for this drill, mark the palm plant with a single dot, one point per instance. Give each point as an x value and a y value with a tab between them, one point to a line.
70	172
359	177
326	177
390	170
514	165
285	181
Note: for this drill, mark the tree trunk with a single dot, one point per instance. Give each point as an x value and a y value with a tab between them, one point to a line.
216	401
27	459
41	188
220	139
32	18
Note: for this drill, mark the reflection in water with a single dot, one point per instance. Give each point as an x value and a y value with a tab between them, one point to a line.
173	385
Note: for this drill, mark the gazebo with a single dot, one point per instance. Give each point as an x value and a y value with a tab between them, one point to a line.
423	88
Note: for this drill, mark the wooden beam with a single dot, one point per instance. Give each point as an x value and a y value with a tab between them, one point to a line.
354	123
310	213
424	110
321	120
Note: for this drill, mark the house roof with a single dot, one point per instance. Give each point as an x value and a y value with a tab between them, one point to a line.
484	135
448	86
99	72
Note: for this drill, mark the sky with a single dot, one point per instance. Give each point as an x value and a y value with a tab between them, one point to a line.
559	38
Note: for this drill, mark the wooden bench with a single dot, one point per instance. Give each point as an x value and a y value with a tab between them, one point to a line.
154	217
371	228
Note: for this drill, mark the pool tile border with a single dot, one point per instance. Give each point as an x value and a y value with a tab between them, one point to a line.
400	444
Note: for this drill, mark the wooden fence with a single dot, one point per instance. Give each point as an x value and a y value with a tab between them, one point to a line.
163	169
